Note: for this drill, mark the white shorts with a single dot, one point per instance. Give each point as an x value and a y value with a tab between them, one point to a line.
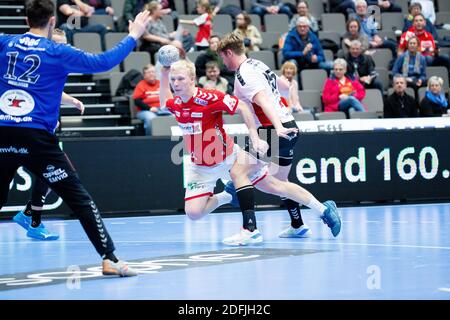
201	180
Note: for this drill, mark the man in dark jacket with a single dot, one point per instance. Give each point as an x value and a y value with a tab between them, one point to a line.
303	48
399	104
362	67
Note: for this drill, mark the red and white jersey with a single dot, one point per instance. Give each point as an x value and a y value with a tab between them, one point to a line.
254	76
427	46
204	24
200	120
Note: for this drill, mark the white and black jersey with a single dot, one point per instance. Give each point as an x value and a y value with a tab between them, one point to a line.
254	76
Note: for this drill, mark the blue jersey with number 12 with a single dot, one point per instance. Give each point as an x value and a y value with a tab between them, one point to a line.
33	71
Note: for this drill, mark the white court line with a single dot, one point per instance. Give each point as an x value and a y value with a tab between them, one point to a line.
399	221
59	224
427	222
146	222
444	289
117	222
174	222
372	221
265	242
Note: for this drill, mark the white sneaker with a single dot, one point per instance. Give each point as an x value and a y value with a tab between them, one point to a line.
244	238
118	268
303	232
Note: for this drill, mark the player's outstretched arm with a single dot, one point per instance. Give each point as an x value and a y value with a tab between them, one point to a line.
138	27
164	87
262	100
68	99
258	144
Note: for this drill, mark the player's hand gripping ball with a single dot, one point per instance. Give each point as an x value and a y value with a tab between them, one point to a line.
168	54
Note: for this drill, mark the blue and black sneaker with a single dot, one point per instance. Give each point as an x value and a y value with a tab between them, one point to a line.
332	218
229	188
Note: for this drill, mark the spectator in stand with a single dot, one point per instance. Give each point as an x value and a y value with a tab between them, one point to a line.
303	11
414	10
73	19
427	45
412	65
346	7
354	33
146	98
252	37
289	73
213	80
263	7
96	6
434	104
157	34
204	24
342	93
211	54
399	104
385	6
362	67
427	9
303	48
370	28
130	9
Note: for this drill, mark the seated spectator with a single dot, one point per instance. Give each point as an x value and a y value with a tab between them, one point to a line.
434	104
415	9
212	79
427	45
130	10
204	24
399	104
370	27
412	65
289	73
263	7
96	6
73	19
345	7
362	67
303	48
303	11
157	35
146	98
385	5
341	93
250	34
354	33
211	54
427	9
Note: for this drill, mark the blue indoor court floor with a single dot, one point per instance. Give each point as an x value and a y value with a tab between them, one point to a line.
383	252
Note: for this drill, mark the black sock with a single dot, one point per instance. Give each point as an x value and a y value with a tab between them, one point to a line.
35	218
110	256
246	197
27	210
294	211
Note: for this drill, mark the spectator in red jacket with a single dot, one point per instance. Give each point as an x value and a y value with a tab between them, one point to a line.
342	93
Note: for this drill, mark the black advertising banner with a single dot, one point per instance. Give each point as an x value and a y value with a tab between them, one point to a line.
126	175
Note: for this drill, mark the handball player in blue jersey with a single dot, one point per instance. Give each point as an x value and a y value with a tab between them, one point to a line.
32	77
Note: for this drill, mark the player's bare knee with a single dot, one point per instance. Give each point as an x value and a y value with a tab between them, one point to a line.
194	213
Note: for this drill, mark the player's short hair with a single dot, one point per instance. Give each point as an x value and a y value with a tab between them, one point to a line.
232	41
147	67
39	12
289	64
185	66
433	80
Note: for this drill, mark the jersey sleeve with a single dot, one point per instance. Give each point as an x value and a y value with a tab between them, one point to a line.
170	104
227	103
78	61
251	82
201	19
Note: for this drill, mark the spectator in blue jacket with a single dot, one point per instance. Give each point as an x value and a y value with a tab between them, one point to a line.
303	48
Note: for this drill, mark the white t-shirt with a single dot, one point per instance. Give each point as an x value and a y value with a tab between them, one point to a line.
254	76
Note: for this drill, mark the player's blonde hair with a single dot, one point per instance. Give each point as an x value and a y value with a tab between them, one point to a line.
184	65
233	42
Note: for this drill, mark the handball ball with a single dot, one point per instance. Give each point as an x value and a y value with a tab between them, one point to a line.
168	54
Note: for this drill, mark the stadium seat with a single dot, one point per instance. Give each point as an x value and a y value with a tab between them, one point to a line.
363	115
391	21
265	56
113	38
382	58
136	60
276	23
334	22
87	41
222	24
303	116
374	101
338	115
310	99
313	79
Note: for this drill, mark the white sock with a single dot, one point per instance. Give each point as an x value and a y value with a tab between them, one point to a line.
223	198
318	207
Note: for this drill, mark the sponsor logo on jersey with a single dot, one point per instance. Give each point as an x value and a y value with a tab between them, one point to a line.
186	113
177	113
191	128
16	103
197	114
201	101
29	42
54	175
230	102
177	101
